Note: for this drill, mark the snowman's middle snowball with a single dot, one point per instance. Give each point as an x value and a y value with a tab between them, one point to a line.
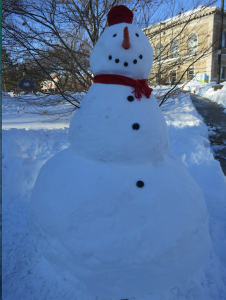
113	139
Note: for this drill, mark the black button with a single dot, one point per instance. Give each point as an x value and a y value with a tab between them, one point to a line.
110	57
140	184
137	34
141	56
117	60
130	98
114	35
136	126
135	61
126	64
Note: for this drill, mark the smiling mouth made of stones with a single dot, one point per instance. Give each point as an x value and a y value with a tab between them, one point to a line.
125	63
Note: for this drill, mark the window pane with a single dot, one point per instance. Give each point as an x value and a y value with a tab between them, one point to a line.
223	73
191	73
192	44
173	74
175	49
159	52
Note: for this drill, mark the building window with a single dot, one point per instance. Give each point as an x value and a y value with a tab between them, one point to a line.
173	74
159	52
192	44
223	40
175	48
190	73
223	73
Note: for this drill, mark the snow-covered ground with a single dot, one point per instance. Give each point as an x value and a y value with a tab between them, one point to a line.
205	90
29	140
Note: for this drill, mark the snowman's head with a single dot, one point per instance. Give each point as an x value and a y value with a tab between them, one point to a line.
123	48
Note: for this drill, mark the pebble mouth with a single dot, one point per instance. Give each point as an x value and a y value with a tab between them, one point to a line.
125	63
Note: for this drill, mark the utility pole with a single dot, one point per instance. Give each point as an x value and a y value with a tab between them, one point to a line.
218	85
220	46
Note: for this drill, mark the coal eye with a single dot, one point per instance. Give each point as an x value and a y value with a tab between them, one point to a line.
137	34
114	35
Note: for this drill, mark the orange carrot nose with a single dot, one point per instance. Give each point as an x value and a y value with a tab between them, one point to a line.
126	39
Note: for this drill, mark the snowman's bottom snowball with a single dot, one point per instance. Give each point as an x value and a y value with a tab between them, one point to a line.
117	239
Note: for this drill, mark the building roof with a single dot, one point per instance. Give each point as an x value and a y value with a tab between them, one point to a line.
183	17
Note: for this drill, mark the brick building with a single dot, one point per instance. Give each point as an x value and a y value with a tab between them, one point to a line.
188	41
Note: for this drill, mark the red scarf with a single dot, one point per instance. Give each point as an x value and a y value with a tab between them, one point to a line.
140	85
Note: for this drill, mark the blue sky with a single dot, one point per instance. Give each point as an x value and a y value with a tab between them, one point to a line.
218	3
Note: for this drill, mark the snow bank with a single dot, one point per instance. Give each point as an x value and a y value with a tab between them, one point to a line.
189	139
23	154
37	111
205	90
160	90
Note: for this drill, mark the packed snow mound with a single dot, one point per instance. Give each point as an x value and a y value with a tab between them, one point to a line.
206	90
139	57
115	238
23	154
102	129
194	83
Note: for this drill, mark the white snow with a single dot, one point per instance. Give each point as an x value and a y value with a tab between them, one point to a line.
206	90
28	275
27	111
115	213
117	209
95	130
109	45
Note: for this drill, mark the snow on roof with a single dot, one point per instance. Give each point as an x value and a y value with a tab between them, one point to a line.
182	16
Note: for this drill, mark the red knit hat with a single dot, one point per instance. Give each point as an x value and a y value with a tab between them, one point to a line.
119	14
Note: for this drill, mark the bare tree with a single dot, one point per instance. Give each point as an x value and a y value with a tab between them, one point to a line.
57	36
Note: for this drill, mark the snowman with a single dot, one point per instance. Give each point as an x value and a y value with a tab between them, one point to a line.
117	209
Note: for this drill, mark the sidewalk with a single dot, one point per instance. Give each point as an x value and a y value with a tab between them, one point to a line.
215	118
